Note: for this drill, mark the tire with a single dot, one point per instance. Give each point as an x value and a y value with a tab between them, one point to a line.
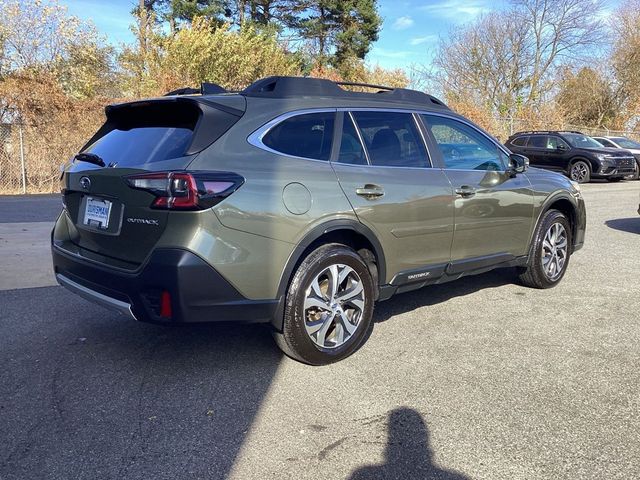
580	171
614	179
328	329
635	175
538	273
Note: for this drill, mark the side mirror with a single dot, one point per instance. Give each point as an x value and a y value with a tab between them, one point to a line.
562	147
517	164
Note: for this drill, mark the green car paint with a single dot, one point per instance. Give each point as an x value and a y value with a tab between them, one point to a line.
419	226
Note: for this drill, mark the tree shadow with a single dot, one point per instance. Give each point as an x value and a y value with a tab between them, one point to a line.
436	294
629	225
408	455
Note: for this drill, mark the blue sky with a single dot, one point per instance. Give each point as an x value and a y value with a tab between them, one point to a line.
410	30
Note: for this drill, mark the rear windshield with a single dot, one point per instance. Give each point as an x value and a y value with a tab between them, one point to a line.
147	133
142	145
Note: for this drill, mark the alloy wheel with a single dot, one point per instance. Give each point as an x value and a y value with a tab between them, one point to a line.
579	172
554	251
333	306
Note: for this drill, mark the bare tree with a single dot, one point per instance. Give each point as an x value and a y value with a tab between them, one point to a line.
588	97
556	29
626	58
38	35
484	63
508	60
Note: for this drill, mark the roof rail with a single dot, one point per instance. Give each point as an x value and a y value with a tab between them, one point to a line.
545	132
533	132
368	85
285	87
206	88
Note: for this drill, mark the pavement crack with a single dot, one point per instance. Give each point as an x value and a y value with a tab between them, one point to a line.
128	457
332	446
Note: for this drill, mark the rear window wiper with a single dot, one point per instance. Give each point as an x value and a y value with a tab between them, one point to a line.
90	158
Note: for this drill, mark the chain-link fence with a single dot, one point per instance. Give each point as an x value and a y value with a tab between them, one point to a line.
12	160
504	127
30	158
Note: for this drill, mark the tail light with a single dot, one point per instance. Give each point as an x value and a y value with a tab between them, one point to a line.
186	191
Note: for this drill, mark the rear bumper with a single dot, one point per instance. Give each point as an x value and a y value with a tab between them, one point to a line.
198	293
96	297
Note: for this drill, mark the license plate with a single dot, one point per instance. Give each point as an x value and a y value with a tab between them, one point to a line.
96	213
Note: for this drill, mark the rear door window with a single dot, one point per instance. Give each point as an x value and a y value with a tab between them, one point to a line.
351	150
520	141
308	135
392	139
538	141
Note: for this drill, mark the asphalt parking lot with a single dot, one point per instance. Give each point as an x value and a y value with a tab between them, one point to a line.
480	378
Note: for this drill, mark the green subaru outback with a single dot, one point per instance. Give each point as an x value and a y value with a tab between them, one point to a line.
299	203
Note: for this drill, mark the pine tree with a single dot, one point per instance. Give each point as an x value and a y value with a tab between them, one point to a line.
339	30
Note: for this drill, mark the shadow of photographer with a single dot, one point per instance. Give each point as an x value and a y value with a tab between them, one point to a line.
408	455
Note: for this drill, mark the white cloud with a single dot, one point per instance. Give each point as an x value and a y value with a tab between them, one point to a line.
384	53
426	39
402	23
461	10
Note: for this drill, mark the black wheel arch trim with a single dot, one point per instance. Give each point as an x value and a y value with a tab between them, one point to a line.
594	165
547	205
312	236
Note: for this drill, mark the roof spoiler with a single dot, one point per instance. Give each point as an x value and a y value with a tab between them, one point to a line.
206	88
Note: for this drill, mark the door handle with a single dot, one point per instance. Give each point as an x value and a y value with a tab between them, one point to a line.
465	191
370	191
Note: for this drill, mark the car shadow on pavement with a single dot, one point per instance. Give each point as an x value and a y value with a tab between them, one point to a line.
86	391
436	294
629	225
89	392
408	454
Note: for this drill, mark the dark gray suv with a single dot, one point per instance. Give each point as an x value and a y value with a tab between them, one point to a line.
578	156
300	204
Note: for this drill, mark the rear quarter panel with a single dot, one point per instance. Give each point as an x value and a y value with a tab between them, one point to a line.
283	198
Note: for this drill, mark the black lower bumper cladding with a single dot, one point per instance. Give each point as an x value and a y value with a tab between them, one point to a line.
197	292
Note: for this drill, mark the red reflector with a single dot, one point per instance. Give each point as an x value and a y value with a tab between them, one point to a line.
165	304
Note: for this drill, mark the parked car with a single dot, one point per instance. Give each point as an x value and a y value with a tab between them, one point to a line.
627	144
574	154
300	204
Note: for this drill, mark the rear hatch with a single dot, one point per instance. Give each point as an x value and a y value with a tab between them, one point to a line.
115	217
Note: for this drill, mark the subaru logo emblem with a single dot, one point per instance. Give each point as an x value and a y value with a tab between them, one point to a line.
85	183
